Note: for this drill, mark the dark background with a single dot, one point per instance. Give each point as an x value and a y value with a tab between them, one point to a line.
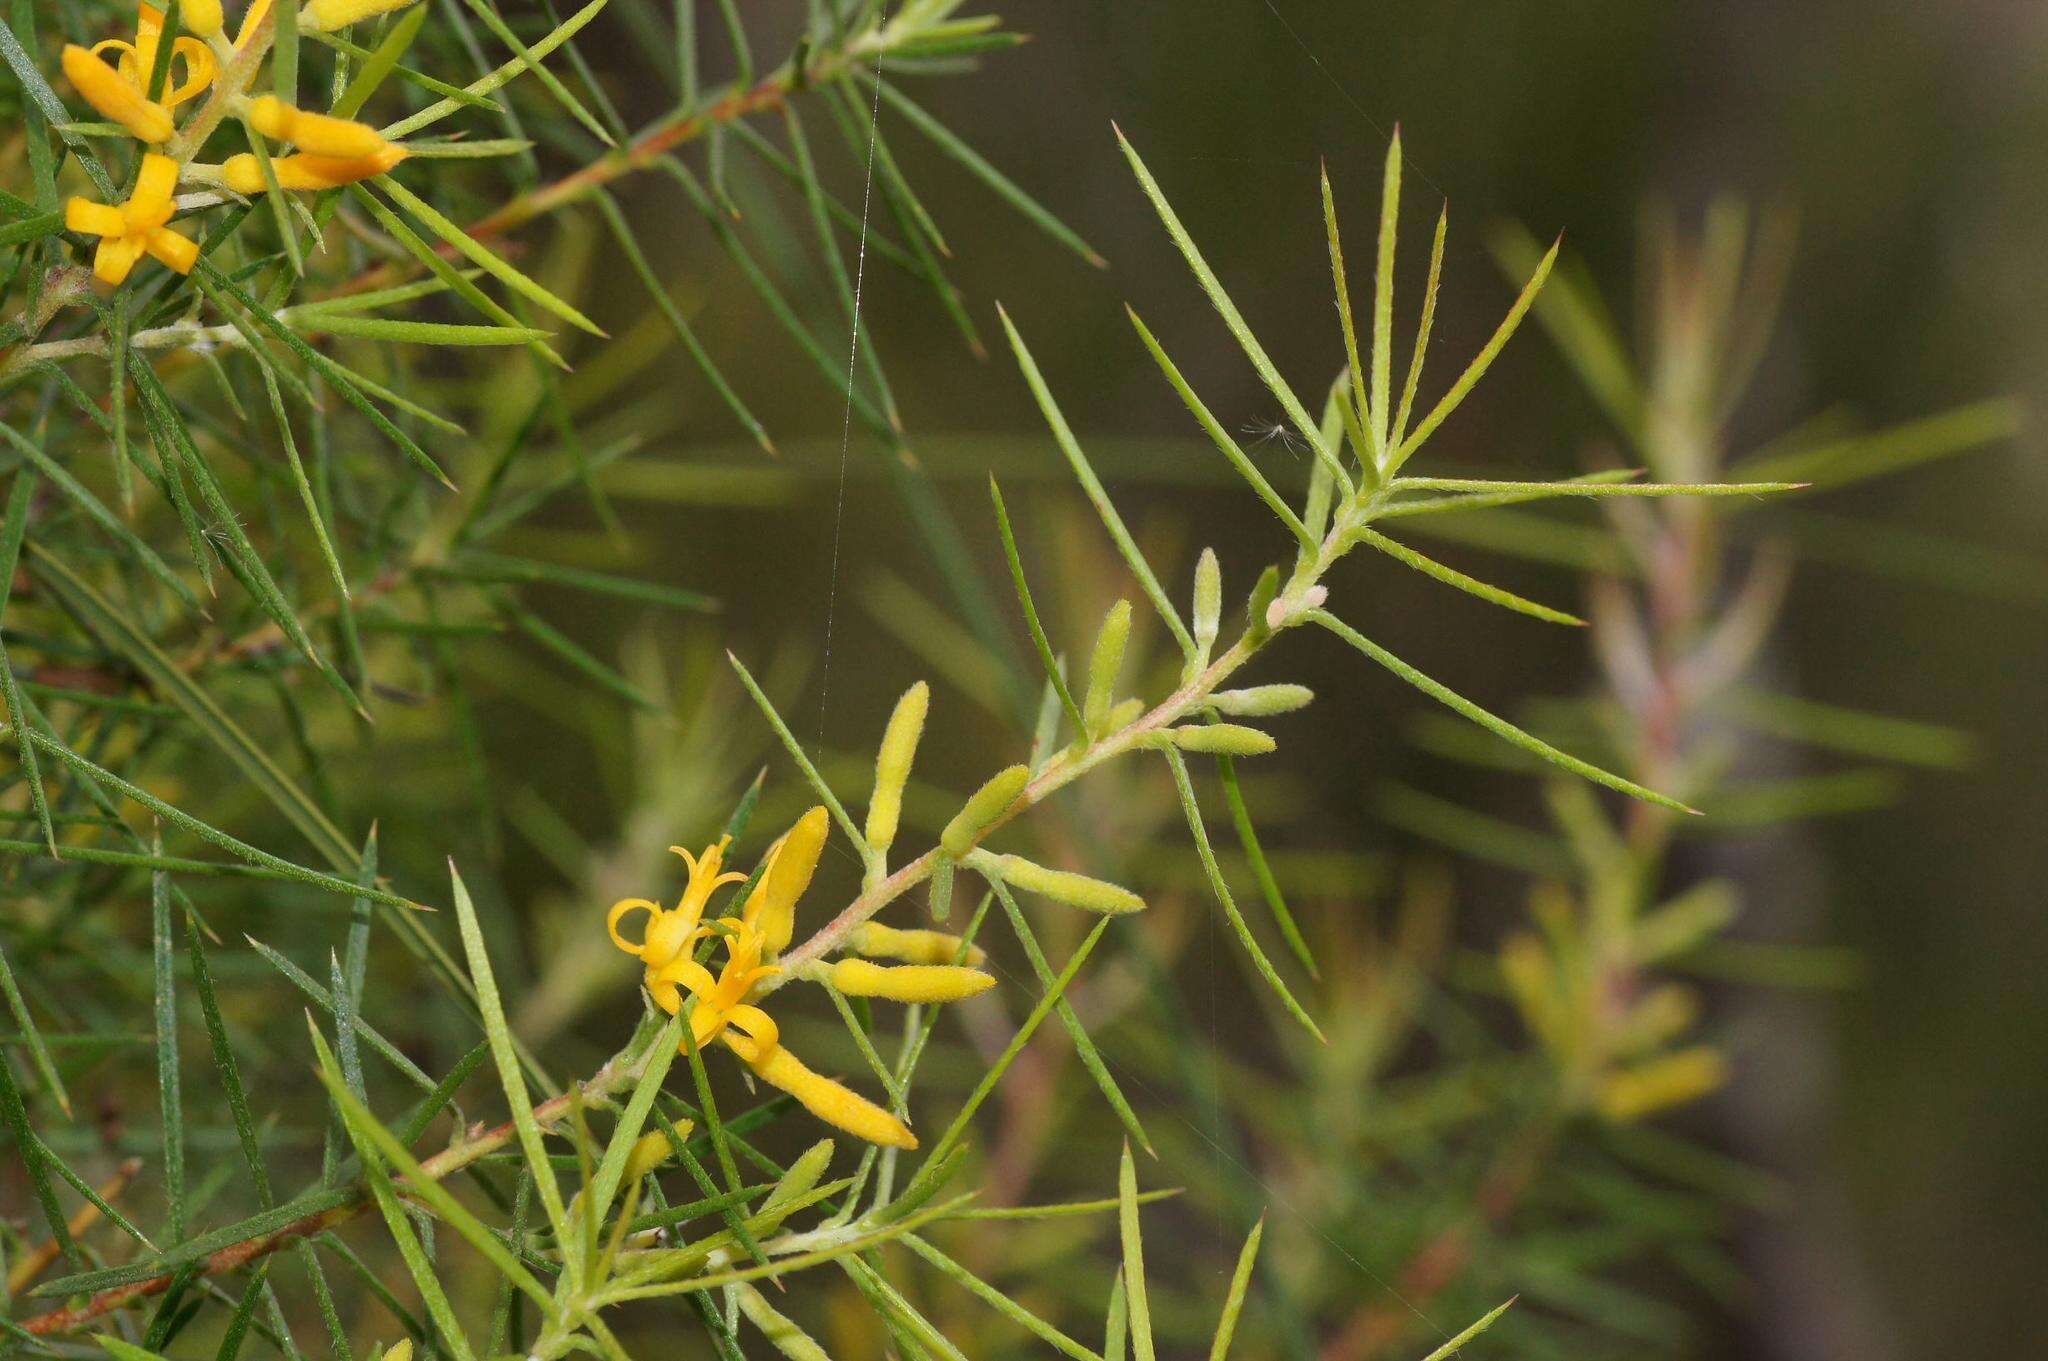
1909	1109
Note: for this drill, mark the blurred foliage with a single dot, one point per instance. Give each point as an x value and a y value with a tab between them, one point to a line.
541	656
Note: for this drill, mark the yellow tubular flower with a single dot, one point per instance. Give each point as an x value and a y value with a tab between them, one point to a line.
101	86
670	933
830	1101
136	228
908	982
137	61
792	860
243	174
721	1002
325	16
877	941
319	133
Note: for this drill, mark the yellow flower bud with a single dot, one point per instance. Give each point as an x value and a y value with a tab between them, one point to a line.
1064	886
908	982
892	764
1104	665
319	133
201	18
912	947
1674	1080
801	1179
650	1151
1222	739
983	807
324	16
101	86
400	1350
1259	701
831	1102
771	907
243	174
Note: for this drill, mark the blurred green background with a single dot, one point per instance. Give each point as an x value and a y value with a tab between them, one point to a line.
1908	1110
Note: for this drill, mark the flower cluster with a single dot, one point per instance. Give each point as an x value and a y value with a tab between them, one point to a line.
676	943
141	89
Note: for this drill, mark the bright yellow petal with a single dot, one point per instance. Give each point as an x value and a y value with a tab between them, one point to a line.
98	219
908	982
623	905
101	86
173	250
115	257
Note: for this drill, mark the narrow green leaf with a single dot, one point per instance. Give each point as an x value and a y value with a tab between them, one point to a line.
506	1056
1092	486
1084	1047
75	491
13	527
1356	369
326	1001
1255	856
1422	331
1046	660
999	1302
1233	1303
1478	367
977	165
498	78
170	1099
482	256
1232	318
1193	812
1133	1277
530	59
1450	576
1457	1343
803	761
1220	437
1500	727
1383	299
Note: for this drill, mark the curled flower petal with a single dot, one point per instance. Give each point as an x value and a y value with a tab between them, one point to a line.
101	86
618	914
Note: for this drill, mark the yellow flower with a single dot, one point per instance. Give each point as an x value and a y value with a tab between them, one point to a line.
319	133
671	933
721	1001
722	1006
243	174
137	227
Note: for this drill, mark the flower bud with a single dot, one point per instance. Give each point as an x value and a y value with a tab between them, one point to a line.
912	947
400	1350
771	907
892	765
244	174
1208	601
983	807
1261	701
319	133
324	16
650	1151
1104	665
1064	886
101	86
1222	739
200	18
907	982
